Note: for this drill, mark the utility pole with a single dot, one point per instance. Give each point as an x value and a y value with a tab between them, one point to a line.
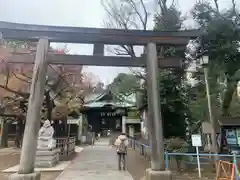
211	118
204	62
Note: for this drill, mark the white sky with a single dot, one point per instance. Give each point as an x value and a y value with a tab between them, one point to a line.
80	13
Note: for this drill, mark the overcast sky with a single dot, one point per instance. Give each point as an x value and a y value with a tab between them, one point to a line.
80	13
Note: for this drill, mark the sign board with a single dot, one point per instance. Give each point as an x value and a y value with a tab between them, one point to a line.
73	121
108	114
196	140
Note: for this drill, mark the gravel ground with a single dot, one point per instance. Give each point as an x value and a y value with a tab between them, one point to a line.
7	160
137	165
10	157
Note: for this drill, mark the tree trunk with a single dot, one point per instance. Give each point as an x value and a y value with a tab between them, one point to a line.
65	127
19	133
49	106
4	139
228	94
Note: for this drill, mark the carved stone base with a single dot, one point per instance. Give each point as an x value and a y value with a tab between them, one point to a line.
156	175
46	158
46	144
32	176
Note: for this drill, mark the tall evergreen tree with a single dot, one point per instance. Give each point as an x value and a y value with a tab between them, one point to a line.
172	92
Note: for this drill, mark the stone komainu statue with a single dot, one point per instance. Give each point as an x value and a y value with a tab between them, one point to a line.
45	136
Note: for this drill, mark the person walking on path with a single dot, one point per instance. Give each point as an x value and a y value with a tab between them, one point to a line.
121	143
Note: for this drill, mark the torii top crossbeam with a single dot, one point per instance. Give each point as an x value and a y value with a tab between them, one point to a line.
16	31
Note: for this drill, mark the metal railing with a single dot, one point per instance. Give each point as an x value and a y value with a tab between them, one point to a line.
145	150
232	157
66	146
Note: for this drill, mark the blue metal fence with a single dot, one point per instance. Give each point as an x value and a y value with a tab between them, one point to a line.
233	156
143	151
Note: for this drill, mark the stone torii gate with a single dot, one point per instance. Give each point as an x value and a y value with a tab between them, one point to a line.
98	37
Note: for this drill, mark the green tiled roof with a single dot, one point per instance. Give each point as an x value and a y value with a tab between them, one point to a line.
106	103
95	100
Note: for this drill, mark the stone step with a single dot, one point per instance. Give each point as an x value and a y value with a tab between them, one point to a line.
46	164
47	158
47	152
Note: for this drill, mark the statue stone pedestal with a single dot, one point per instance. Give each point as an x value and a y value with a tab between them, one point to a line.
156	175
46	158
31	176
47	154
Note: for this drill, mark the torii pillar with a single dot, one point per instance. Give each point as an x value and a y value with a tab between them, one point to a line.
29	146
157	170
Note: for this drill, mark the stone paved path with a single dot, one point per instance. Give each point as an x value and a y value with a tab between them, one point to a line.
97	162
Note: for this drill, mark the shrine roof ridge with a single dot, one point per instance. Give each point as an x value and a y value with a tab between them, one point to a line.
68	34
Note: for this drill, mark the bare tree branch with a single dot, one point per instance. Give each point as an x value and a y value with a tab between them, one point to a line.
234	6
163	6
143	17
15	92
217	6
7	75
138	74
61	76
24	80
26	76
126	14
59	92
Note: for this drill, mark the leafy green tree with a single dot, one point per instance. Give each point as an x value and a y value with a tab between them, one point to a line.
222	42
125	84
173	90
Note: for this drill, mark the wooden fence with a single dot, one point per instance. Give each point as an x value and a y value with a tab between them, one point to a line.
66	146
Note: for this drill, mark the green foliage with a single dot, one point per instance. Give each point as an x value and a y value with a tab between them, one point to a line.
174	103
133	114
235	106
222	42
198	104
125	87
172	90
169	19
177	145
125	84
